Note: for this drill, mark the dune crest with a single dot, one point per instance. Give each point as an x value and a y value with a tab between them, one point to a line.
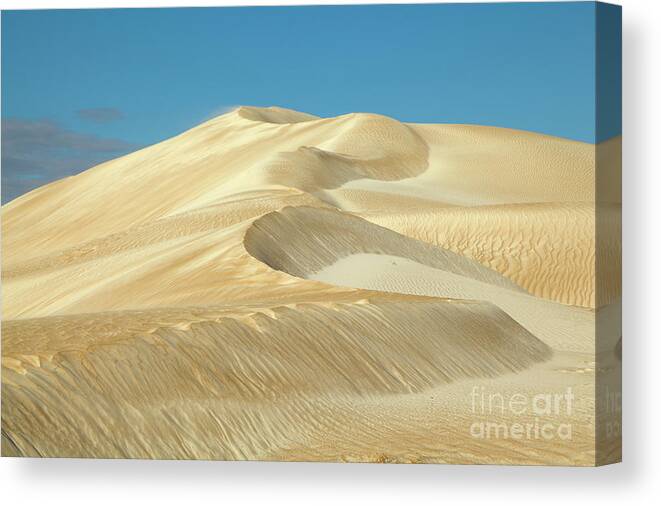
303	240
277	115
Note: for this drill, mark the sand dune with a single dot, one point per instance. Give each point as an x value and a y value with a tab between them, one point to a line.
563	327
329	353
301	240
477	165
547	248
273	285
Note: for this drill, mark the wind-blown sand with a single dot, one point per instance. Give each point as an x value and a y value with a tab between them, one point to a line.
272	285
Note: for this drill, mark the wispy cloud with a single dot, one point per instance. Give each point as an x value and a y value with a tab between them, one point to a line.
36	152
100	114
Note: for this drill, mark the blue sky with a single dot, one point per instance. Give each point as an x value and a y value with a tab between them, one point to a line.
81	86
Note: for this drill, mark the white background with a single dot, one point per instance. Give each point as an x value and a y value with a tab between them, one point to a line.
636	481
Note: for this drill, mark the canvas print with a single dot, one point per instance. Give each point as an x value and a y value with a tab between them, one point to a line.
378	233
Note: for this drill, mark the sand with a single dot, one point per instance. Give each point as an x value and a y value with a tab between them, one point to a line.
273	285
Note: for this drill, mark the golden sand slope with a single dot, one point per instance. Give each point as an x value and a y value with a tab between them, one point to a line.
547	248
250	150
239	385
273	285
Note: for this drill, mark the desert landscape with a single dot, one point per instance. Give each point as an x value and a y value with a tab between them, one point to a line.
271	285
